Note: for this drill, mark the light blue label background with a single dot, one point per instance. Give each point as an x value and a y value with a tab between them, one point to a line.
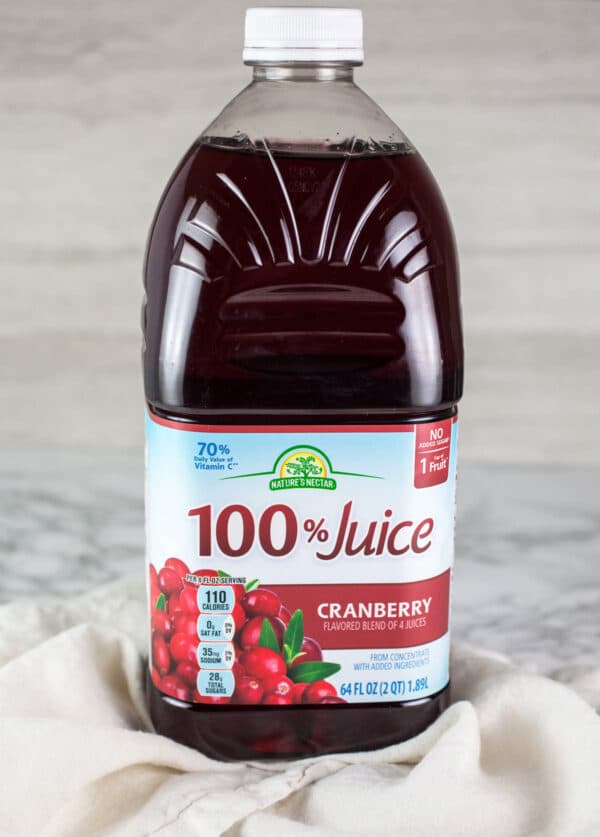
174	486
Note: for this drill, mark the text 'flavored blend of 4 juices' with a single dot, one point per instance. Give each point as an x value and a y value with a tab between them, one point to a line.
303	361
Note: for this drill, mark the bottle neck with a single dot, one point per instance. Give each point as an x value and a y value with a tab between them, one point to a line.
334	71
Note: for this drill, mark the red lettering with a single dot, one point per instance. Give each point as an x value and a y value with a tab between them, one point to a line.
327	556
392	548
366	545
378	537
204	515
265	530
223	533
423	530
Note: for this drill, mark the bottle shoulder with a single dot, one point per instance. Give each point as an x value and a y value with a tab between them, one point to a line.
306	117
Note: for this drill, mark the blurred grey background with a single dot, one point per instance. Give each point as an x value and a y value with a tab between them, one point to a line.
99	101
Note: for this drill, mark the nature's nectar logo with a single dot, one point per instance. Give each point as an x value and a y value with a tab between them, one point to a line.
303	466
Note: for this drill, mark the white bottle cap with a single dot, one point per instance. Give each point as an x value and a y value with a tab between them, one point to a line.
302	33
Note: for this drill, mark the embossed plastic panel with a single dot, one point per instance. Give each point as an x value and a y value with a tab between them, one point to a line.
332	269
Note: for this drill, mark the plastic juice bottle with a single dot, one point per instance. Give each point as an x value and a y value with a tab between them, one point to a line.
303	360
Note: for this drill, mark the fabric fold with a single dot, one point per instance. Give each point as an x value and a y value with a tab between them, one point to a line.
515	754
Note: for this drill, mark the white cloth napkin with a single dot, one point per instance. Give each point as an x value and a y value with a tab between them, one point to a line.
516	754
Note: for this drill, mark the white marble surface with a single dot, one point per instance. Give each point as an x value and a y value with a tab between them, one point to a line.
527	576
99	100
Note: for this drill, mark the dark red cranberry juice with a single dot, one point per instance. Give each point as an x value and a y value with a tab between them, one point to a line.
284	289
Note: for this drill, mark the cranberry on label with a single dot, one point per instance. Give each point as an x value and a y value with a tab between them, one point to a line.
239	616
188	600
298	692
187	672
275	684
153	586
311	651
168	581
248	690
278	628
180	567
275	699
315	692
284	615
183	623
239	591
161	622
155	677
332	699
250	634
238	670
183	648
173	605
160	654
172	685
261	662
261	602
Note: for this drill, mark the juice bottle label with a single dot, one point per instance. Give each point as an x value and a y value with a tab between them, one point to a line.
300	563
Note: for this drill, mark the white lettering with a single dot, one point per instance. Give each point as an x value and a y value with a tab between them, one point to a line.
374	610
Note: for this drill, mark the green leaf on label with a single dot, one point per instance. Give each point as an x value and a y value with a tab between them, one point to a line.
223	574
311	672
267	638
289	657
297	656
252	585
294	633
161	602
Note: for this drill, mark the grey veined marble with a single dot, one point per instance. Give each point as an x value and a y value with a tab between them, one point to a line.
527	573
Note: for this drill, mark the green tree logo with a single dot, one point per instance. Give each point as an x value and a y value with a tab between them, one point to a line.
304	466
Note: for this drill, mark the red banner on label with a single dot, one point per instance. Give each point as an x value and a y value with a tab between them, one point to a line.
432	453
371	615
